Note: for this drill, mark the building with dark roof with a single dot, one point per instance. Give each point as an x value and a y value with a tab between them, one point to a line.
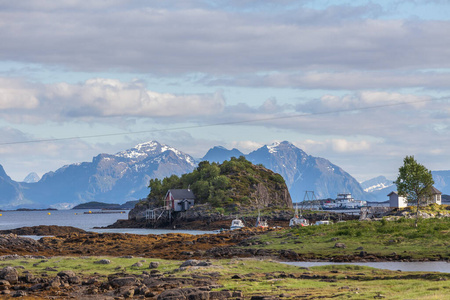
436	197
179	199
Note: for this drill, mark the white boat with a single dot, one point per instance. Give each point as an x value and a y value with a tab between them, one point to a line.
261	223
330	204
298	221
344	201
323	222
236	224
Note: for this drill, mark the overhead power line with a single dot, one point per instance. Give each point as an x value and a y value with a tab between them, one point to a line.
217	124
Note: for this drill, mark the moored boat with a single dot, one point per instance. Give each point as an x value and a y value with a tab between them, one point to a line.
298	220
323	222
344	201
237	224
260	223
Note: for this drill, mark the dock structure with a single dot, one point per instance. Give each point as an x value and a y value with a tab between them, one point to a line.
310	202
175	201
153	215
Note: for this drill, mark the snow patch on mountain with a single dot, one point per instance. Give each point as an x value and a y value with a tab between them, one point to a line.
273	148
152	149
376	184
32	177
376	187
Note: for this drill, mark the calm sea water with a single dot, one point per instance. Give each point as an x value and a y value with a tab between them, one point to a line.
426	266
76	218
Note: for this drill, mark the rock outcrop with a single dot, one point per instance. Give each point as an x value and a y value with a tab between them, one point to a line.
43	230
220	190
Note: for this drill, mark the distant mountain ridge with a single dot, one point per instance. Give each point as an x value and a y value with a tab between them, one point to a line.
32	177
116	178
442	181
380	187
124	176
301	171
219	154
11	191
376	184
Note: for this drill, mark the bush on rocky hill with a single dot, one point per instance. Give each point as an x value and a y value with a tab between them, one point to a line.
236	182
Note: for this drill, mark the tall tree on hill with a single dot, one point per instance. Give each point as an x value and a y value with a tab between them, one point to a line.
414	182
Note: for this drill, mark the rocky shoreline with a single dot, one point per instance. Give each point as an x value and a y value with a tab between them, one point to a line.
173	246
151	284
197	251
200	218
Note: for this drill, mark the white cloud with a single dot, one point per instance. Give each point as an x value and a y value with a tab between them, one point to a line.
16	94
379	98
157	40
365	100
245	146
101	98
348	80
342	145
337	145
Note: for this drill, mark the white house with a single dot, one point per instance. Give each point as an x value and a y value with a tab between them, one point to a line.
436	196
397	201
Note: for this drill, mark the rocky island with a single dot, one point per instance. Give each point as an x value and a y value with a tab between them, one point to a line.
220	193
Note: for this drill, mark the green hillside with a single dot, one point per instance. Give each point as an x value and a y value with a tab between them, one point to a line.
236	182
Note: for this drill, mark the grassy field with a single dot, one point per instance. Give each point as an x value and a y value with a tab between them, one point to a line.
266	277
384	238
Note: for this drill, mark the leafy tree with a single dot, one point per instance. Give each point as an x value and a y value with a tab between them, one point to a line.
207	170
221	182
156	189
201	190
414	182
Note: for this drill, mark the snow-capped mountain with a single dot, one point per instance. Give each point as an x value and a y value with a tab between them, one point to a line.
124	176
303	172
113	178
32	177
152	149
380	187
376	184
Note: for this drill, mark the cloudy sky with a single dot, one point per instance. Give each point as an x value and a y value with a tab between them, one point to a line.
361	83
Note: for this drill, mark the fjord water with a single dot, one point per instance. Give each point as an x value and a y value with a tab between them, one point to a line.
76	218
405	266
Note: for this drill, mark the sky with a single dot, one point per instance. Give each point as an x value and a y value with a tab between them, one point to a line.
360	83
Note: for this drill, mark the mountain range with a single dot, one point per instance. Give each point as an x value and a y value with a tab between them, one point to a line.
124	176
380	186
300	171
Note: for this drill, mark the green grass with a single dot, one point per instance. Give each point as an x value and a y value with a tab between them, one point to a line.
430	240
268	277
88	265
